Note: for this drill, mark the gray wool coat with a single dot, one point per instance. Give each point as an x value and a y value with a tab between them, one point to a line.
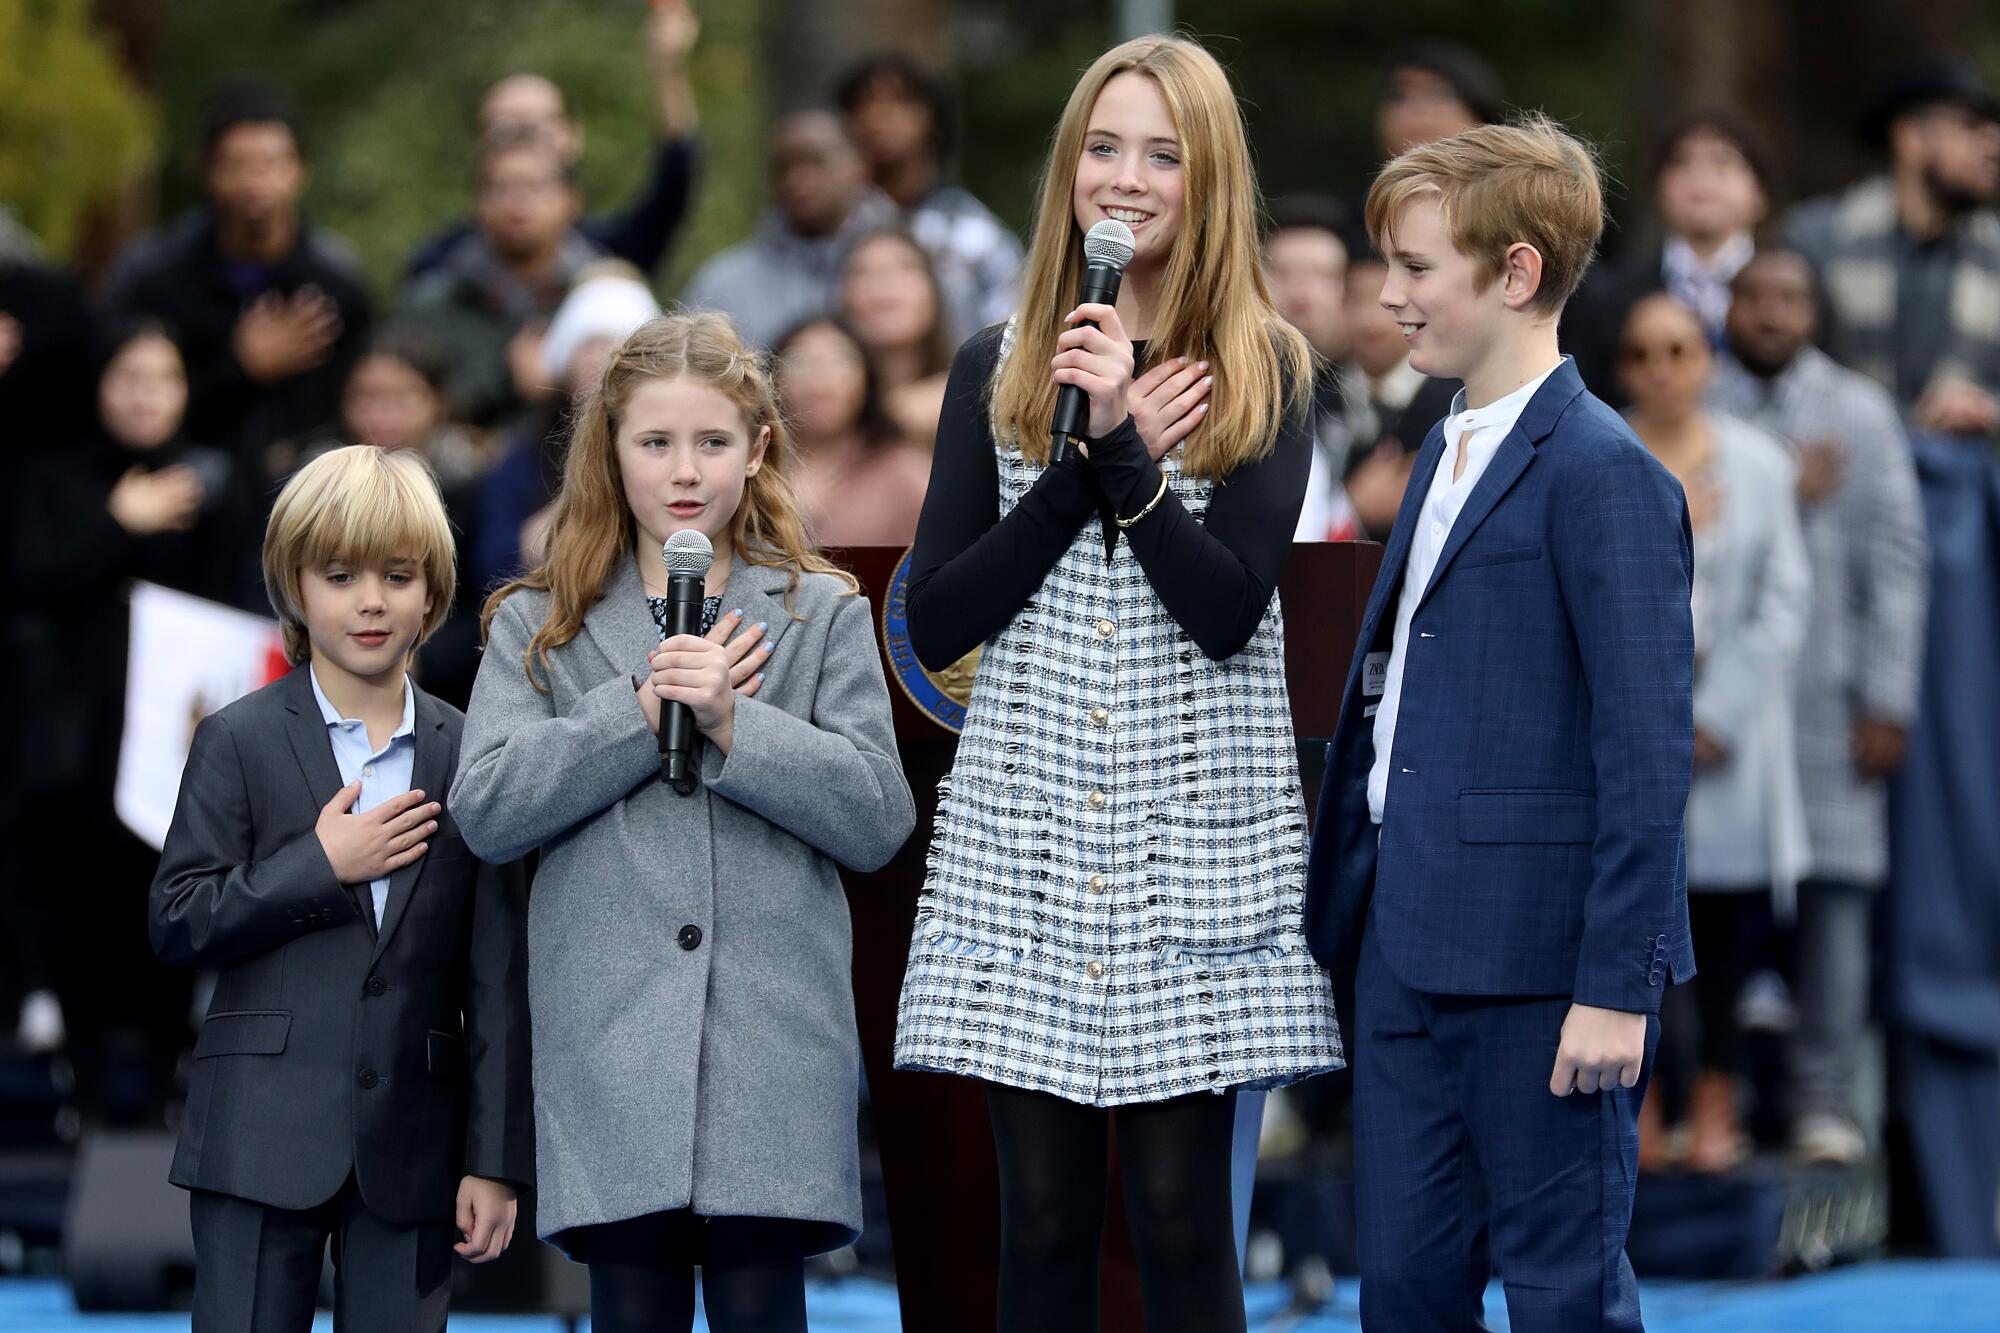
688	957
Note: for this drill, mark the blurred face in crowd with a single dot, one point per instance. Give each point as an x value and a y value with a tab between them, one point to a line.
816	172
890	122
888	294
144	393
1772	311
526	202
587	363
1663	359
1307	270
1374	342
254	175
530	106
1707	190
1420	108
822	379
1131	168
389	405
1955	149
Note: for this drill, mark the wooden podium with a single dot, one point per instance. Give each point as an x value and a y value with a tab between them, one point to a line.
936	1146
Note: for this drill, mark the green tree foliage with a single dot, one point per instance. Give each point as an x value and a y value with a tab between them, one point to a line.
388	89
72	128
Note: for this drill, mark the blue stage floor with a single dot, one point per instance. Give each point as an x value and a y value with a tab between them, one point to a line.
1874	1298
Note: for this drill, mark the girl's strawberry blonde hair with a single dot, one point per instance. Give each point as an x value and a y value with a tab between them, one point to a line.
591	529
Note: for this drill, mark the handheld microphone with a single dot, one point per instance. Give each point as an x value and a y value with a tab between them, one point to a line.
688	555
1107	249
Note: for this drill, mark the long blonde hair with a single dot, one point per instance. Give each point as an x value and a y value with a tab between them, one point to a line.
592	528
1213	304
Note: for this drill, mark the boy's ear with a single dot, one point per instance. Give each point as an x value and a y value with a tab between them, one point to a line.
758	447
1520	275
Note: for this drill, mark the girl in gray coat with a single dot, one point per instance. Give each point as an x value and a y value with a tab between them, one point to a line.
695	1048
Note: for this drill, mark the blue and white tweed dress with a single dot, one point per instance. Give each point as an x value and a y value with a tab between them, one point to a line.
1112	907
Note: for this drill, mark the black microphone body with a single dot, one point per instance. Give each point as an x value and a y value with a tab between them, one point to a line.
1100	287
685	591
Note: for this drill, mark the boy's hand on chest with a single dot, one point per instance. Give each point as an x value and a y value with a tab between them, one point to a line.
366	847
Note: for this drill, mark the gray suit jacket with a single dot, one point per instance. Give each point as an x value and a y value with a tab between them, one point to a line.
689	956
400	1055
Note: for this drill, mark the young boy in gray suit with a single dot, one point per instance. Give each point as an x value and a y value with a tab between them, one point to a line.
362	1074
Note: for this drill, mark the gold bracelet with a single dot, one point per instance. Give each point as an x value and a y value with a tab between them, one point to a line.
1151	505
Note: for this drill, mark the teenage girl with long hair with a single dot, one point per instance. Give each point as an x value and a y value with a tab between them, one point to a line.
1111	921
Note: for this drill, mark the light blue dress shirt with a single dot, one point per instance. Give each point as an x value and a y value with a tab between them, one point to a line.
384	773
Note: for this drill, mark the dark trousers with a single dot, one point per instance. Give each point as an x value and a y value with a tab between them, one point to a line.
257	1268
1465	1162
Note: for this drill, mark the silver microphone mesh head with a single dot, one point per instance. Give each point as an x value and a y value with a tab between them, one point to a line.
688	552
1109	245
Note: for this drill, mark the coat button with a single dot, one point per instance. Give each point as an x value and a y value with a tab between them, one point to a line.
1098	884
369	1078
690	938
376	986
1095	800
1105	629
1100	717
1095	971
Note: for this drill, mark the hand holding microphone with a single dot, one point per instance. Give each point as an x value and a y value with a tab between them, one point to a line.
1093	362
682	674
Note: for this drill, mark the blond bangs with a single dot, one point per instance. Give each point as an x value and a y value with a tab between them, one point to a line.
363	505
1214	305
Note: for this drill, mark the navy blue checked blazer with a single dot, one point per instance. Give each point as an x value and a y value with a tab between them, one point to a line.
1532	839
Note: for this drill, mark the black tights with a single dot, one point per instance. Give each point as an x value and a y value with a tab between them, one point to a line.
642	1274
1174	1157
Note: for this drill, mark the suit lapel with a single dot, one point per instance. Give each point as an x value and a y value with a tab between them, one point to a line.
430	773
1516	452
1397	554
305	728
1506	468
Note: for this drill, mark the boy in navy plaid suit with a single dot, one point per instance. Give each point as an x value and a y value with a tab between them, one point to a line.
1499	847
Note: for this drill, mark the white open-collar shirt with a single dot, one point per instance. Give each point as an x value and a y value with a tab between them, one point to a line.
1480	430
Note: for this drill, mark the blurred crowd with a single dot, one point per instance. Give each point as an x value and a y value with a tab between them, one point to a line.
1790	367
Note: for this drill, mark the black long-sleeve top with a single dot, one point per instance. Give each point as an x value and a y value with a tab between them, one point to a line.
973	570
